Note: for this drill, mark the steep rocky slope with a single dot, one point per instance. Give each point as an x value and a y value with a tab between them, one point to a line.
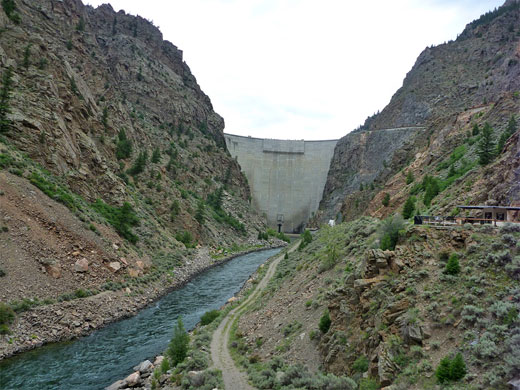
451	89
113	168
393	314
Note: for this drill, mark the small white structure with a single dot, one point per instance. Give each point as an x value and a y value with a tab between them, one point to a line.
332	223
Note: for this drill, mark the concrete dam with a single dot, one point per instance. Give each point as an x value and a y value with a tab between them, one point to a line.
286	177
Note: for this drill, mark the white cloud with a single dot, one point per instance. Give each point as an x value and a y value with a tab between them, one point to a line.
302	68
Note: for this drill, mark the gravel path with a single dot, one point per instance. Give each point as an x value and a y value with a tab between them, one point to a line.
234	378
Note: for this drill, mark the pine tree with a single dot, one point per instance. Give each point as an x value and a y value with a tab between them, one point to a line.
476	130
443	370
457	368
486	146
452	266
410	178
178	347
156	155
409	207
5	96
386	200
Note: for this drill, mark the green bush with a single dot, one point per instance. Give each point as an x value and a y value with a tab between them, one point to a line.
178	347
386	200
452	266
286	256
9	7
409	177
2	272
156	156
389	231
451	370
185	237
368	384
7	314
361	364
325	322
121	218
208	317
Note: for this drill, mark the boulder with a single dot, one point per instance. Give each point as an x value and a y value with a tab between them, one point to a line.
114	266
158	360
81	265
133	273
116	385
133	379
232	299
53	270
514	384
145	366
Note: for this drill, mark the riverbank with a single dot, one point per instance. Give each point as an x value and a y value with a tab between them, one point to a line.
68	320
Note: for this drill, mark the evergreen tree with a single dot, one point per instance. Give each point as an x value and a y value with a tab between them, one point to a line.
443	370
5	96
452	266
386	200
409	207
508	132
486	146
178	347
476	130
325	322
457	368
156	155
199	215
139	164
27	56
410	178
124	146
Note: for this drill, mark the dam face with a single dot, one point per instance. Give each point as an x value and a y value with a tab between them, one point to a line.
286	177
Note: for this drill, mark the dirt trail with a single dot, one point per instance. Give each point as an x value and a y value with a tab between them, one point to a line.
234	378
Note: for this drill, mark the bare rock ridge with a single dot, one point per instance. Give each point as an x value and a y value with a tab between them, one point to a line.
451	89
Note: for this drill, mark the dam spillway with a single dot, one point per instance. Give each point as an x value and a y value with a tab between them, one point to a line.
286	177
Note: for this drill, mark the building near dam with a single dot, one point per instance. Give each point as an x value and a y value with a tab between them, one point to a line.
286	177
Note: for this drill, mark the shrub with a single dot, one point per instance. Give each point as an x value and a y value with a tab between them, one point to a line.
185	237
286	256
208	317
121	218
9	7
368	384
325	322
389	231
386	200
178	347
6	314
5	97
409	177
452	266
361	364
2	272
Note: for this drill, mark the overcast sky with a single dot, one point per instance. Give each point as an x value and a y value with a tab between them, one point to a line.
302	69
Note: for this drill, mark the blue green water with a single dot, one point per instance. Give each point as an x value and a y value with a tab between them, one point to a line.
98	360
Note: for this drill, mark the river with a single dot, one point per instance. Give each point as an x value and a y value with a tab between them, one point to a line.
108	354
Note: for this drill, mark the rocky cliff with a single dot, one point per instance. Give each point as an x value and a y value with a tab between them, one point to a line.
113	167
452	88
